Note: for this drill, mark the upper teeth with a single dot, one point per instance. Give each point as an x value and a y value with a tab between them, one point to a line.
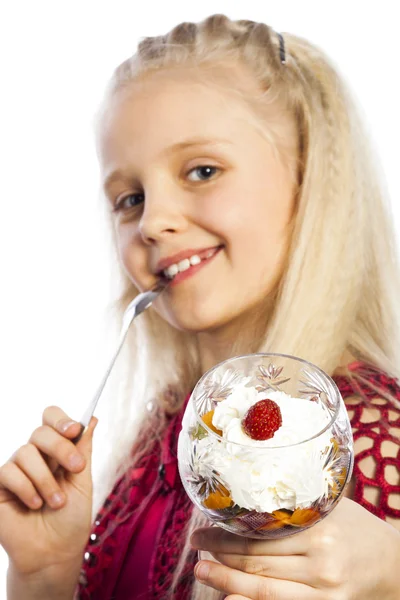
183	265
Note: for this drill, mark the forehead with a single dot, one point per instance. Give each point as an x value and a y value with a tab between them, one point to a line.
161	108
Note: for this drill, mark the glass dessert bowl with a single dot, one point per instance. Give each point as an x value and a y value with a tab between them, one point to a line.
266	448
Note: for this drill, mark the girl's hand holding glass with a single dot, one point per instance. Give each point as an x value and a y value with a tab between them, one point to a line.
334	559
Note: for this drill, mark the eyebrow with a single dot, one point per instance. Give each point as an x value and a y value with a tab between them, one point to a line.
179	146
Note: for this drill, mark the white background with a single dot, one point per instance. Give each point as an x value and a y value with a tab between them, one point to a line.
56	282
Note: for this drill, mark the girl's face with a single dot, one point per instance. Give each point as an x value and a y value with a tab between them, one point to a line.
193	181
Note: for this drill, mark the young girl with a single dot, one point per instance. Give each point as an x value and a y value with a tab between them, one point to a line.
234	157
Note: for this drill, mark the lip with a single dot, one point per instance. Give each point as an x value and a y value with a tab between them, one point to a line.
164	263
193	269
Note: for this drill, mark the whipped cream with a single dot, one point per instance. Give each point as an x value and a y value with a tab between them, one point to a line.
261	475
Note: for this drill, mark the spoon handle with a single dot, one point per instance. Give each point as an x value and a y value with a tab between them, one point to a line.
137	306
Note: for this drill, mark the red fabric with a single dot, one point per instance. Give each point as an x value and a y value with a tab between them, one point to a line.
149	508
384	427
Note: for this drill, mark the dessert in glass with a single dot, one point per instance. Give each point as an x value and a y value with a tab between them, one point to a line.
266	447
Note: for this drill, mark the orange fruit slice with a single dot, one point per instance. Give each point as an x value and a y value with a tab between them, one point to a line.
271	525
219	499
304	516
207	419
299	518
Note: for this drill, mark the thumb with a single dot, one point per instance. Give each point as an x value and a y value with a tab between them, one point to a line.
85	447
86	442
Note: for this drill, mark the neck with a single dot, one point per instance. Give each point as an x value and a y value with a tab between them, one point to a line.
244	335
239	336
214	347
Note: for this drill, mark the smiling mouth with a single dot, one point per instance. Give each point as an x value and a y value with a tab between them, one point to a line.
182	269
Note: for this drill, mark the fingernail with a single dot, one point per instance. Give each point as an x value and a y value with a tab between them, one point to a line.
64	425
57	499
201	571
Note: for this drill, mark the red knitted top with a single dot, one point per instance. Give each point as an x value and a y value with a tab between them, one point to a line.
147	510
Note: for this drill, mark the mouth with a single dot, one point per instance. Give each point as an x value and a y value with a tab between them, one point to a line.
186	267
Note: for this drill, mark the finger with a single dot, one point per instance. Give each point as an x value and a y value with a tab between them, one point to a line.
54	445
31	463
230	581
13	482
55	417
289	568
236	597
216	539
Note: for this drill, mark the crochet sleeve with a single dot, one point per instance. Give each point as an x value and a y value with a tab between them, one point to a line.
372	399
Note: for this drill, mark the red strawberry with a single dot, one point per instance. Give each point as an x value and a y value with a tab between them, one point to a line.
262	420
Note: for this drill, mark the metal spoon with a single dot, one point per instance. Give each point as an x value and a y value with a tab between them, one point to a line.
137	306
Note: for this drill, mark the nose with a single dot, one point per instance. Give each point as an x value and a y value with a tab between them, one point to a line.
162	216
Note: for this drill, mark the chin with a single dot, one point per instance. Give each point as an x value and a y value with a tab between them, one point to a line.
194	325
200	322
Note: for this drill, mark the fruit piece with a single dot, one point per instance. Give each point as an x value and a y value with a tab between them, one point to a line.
198	433
207	419
279	518
304	516
283	515
272	525
219	499
262	420
337	482
299	518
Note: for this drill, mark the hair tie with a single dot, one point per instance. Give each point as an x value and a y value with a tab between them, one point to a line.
282	48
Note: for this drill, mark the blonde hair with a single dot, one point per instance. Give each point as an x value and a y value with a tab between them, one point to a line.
340	285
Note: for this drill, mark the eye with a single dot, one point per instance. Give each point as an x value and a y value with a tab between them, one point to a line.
206	171
137	199
131	201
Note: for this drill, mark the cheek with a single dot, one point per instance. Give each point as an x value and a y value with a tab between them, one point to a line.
131	253
262	244
252	221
